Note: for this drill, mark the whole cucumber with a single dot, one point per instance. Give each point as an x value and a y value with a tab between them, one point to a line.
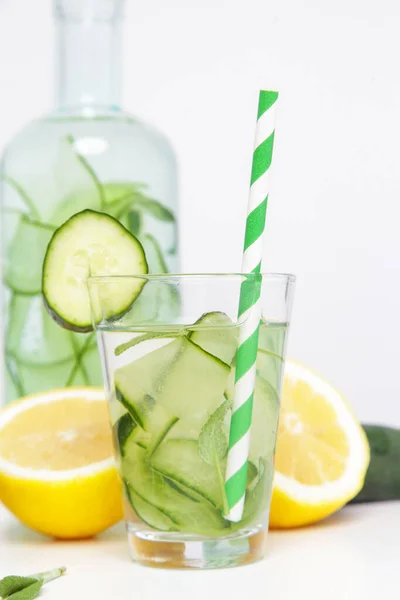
382	481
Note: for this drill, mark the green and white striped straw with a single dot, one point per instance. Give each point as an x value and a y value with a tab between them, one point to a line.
250	309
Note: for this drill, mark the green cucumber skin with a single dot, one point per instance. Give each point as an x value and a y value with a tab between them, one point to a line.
382	481
62	322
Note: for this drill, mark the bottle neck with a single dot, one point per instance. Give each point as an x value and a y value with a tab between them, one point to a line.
89	64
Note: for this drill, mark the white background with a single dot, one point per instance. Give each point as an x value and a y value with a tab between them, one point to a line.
193	68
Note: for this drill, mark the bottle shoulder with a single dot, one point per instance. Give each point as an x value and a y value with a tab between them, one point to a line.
116	128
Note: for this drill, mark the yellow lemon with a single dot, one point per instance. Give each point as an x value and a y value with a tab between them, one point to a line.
57	471
322	452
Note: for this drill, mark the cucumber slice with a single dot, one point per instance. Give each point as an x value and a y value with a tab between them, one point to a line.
24	260
149	514
187	514
270	368
257	496
264	422
180	378
154	430
265	417
179	460
124	429
217	335
97	241
40	378
32	336
272	337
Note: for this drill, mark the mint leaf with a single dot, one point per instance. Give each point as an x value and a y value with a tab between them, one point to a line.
14	587
13	583
154	208
135	200
28	593
213	443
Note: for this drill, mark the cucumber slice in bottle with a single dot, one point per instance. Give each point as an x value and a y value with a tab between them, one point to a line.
24	260
217	335
40	378
179	460
187	514
95	241
33	337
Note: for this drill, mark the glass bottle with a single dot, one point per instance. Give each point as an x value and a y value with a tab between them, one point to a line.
88	153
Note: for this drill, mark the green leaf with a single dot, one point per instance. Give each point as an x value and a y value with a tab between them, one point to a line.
14	587
114	190
154	208
73	186
213	443
89	170
154	255
13	583
134	199
28	593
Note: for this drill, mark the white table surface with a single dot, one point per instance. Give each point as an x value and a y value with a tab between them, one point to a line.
355	555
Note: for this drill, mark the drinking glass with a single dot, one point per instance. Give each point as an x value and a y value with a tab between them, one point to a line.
169	370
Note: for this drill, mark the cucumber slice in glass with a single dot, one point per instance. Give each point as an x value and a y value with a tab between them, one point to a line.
264	422
124	429
149	514
217	335
24	260
97	242
179	460
187	513
180	377
270	368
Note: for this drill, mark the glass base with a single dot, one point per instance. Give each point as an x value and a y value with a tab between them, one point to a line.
180	551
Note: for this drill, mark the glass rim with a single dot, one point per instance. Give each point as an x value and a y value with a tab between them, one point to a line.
284	277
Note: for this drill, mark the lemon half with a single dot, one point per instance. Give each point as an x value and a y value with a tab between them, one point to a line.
322	452
57	471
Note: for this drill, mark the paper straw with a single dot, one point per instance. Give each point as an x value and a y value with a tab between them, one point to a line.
249	309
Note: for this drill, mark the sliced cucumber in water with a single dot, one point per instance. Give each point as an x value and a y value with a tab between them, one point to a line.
270	368
187	514
149	514
33	337
217	335
179	460
180	378
264	422
257	496
97	242
40	378
24	260
124	430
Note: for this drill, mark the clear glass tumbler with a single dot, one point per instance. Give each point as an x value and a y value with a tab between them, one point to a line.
169	370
